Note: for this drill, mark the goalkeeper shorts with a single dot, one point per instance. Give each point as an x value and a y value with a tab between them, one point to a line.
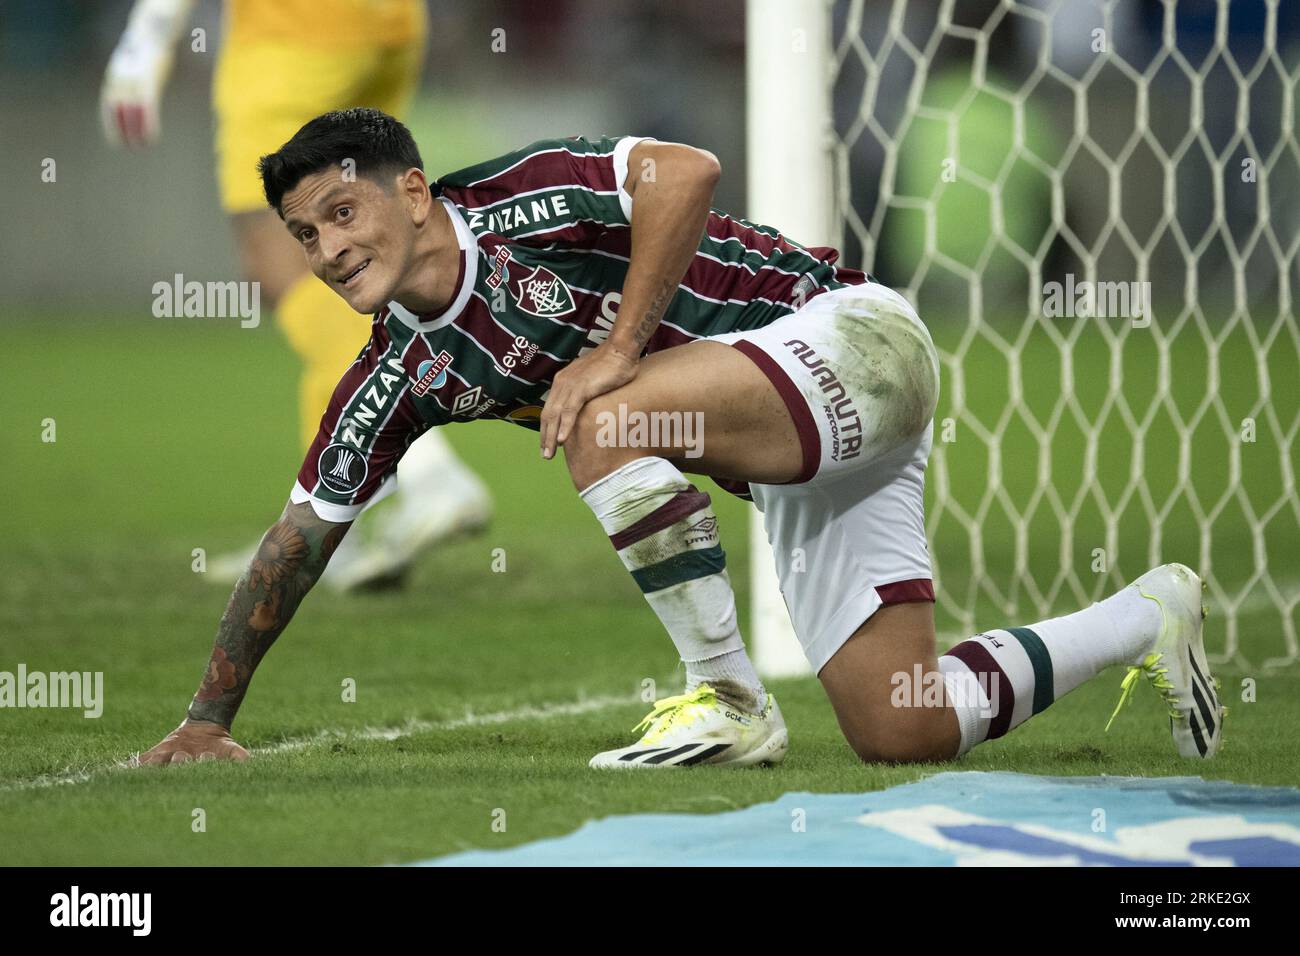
264	91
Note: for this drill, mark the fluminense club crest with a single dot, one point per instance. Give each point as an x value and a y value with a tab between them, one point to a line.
543	293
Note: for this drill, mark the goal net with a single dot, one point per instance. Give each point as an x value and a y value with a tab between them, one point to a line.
1095	207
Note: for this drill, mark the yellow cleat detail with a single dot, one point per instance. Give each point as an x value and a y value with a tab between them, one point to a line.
679	711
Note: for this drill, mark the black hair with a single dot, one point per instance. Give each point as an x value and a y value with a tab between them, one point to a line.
375	141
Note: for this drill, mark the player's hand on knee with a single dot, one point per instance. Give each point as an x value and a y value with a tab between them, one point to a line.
585	378
194	740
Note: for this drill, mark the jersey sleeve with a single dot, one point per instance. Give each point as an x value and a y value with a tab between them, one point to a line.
370	422
553	190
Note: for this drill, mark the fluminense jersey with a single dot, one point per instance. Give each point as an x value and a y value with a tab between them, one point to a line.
545	237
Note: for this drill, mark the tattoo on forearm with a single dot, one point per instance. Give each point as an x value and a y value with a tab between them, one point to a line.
289	560
655	312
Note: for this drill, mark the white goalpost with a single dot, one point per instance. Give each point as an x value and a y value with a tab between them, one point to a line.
788	141
988	159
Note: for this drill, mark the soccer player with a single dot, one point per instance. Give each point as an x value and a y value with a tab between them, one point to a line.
575	284
279	65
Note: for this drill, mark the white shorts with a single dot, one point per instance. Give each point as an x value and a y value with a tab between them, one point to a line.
860	375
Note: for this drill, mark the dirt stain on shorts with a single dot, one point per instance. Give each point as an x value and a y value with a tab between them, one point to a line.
896	370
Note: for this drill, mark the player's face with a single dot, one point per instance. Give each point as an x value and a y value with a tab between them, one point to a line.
357	236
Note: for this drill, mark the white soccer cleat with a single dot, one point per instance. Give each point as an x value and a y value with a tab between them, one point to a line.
225	569
390	536
698	728
351	557
1175	665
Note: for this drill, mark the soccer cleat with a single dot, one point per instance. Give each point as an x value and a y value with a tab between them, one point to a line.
389	536
225	569
392	534
1175	665
698	728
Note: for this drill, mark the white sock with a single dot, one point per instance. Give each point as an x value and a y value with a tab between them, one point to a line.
1136	621
999	679
733	669
666	534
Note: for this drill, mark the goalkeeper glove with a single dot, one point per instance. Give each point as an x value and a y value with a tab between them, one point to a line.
138	70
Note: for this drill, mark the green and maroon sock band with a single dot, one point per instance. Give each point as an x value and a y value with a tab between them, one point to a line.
1017	663
670	512
687	566
666	535
989	674
1041	663
689	562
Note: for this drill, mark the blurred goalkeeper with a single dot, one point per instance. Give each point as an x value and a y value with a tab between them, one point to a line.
280	64
587	289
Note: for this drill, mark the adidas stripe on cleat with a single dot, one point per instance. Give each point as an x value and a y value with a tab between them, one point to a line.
1176	665
699	728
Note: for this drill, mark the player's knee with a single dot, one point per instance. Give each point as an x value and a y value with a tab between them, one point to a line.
581	442
587	423
912	735
588	456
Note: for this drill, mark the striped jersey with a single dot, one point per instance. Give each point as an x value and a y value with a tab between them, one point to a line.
545	237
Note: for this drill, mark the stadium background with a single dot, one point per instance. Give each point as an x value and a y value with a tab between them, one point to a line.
477	691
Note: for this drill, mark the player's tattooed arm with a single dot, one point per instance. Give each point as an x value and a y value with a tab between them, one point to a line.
652	314
671	186
291	558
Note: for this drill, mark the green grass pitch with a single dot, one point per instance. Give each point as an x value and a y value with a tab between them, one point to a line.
178	434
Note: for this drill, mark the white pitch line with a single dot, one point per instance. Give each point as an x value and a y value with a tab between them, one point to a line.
470	719
410	727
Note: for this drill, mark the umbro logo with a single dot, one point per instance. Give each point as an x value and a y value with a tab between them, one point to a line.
473	403
466	400
704	530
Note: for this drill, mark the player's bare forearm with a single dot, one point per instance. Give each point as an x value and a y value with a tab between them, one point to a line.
291	558
672	190
671	187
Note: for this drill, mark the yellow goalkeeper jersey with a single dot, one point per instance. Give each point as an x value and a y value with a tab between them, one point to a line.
327	23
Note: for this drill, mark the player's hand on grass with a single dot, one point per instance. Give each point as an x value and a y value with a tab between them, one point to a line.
195	740
583	379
